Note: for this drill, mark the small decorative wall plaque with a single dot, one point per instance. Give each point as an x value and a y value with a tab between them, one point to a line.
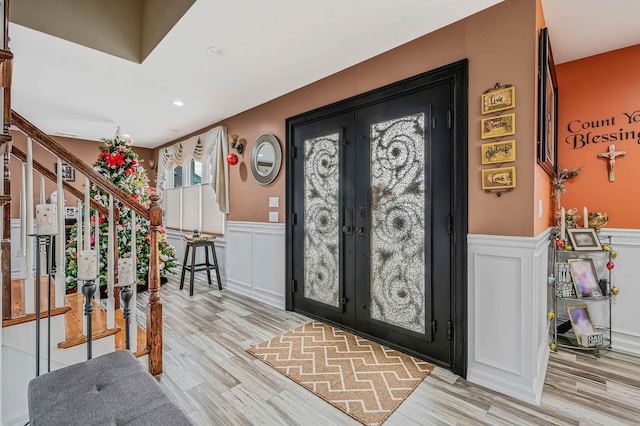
498	99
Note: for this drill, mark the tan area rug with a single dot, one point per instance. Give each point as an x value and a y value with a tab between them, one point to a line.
364	379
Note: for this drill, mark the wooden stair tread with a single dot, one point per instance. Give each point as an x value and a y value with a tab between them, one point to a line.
32	317
83	339
17	296
75	318
74	321
141	347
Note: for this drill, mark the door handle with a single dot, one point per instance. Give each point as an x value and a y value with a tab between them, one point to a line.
347	228
363	218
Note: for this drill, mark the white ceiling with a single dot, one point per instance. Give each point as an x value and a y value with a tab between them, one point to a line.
581	28
271	48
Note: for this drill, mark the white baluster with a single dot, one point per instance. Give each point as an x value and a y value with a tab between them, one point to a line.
96	246
79	239
111	301
29	301
133	336
87	214
60	242
23	222
43	197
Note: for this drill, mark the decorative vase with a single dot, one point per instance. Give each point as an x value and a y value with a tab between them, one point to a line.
597	220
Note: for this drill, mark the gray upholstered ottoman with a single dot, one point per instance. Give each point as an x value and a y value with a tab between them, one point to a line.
113	389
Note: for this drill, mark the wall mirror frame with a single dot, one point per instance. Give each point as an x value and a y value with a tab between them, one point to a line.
266	158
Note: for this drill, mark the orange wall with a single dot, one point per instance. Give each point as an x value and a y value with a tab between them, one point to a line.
594	90
86	150
500	45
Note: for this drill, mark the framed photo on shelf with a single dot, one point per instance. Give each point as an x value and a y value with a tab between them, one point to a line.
564	284
584	239
498	99
585	279
581	323
498	152
495	127
547	107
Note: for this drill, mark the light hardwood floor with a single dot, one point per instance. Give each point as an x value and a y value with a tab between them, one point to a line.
208	372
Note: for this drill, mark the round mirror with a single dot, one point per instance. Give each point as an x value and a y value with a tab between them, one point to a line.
265	159
266	156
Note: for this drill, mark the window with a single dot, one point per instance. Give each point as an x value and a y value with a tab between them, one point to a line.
192	206
195	172
177	177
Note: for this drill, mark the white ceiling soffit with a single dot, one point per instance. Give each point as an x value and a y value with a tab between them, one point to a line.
271	48
581	28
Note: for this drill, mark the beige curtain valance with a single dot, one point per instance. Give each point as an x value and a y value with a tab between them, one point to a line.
210	146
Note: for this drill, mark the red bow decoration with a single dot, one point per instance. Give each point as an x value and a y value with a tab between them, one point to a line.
115	160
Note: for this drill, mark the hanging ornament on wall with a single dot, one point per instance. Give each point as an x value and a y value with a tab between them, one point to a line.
232	159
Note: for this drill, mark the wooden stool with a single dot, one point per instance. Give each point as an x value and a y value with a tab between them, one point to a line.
206	241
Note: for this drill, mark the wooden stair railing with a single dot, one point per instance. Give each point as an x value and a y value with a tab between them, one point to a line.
6	69
153	214
20	155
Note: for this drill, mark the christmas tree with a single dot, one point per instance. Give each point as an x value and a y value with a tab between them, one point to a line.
118	163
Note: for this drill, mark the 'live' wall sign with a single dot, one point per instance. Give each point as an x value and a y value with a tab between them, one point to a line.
616	128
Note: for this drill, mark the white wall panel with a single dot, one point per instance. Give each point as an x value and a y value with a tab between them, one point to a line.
271	252
507	288
498	328
256	261
624	308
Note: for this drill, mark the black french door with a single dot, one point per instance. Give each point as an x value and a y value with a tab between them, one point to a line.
371	204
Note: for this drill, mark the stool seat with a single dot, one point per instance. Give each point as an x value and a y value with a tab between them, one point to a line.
208	242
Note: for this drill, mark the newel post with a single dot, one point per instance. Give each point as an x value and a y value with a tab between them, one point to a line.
154	307
5	243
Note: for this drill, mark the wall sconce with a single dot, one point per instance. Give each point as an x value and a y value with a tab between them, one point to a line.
232	159
233	140
153	165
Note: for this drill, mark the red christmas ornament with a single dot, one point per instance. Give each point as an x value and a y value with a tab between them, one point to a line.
559	243
232	159
610	265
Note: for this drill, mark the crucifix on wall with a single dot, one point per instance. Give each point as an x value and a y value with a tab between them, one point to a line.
611	155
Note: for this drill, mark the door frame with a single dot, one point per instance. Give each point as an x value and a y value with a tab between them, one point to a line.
457	73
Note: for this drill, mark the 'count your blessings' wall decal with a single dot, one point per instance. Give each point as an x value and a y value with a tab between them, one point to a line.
615	128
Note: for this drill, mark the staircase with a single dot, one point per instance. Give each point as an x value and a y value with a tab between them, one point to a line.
63	332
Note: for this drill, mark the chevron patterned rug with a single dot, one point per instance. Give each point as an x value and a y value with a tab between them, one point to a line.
364	379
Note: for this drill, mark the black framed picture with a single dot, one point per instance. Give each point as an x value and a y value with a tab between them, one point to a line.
68	172
547	107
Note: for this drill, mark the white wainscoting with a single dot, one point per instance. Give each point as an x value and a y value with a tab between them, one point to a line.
624	309
251	257
508	341
256	261
176	239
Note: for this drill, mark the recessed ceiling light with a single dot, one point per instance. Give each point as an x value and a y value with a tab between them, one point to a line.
215	51
173	130
126	135
178	102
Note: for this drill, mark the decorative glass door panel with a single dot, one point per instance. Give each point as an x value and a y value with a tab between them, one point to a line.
370	196
321	220
397	275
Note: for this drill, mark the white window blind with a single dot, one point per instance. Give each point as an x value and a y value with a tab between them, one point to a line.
193	207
